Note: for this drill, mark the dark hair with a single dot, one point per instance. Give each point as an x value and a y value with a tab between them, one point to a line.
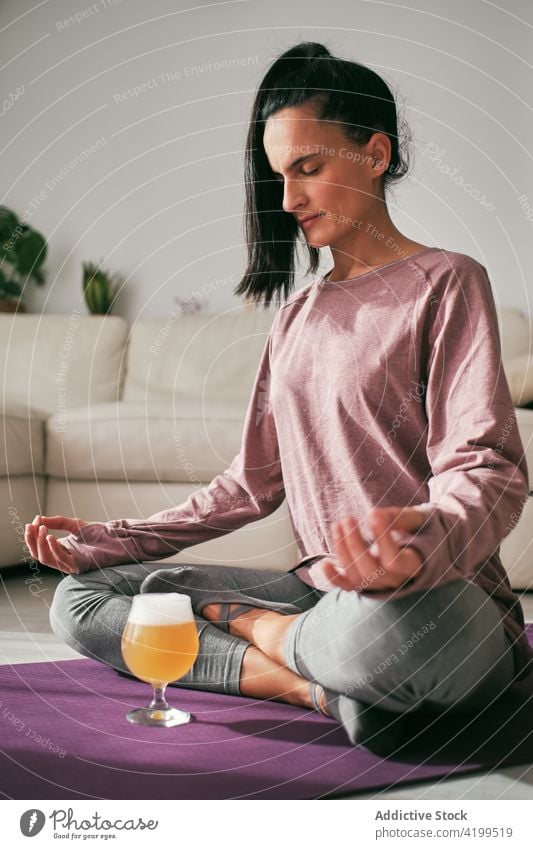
342	91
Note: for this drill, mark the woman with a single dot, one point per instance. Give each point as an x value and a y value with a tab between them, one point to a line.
382	424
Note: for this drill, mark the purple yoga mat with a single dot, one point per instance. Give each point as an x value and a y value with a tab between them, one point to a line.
64	735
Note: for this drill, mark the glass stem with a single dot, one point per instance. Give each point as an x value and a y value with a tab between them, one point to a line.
159	702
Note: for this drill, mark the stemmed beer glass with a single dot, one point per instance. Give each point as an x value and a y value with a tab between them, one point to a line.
160	644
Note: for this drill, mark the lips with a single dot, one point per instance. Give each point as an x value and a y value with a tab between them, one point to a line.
310	218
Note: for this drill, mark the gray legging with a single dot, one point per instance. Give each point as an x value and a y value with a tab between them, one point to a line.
444	649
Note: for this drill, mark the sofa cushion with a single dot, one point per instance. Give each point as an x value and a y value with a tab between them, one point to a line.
268	543
519	374
130	441
525	426
206	356
517	550
515	333
22	450
152	441
61	361
21	497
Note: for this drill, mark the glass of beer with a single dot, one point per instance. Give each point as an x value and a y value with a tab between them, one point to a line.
159	645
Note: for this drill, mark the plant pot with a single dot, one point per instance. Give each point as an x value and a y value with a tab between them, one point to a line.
7	305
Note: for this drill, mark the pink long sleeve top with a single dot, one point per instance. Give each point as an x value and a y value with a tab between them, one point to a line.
383	389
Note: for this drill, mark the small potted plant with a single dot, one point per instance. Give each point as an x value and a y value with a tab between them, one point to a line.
100	288
22	253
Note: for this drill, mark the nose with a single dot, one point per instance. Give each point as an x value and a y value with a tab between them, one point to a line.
293	196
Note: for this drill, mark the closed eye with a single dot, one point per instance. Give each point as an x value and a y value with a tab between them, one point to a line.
279	178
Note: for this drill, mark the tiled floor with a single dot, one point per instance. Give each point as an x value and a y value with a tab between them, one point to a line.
26	636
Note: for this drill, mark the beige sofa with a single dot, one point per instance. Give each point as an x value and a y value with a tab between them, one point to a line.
104	421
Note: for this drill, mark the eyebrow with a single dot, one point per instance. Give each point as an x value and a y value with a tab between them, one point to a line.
297	162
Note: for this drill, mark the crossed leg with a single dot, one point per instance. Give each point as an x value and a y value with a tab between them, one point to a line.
89	612
339	639
263	670
444	650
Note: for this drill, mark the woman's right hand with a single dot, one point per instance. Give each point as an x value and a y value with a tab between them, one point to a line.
46	548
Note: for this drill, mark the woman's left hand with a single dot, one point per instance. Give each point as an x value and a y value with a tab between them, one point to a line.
360	570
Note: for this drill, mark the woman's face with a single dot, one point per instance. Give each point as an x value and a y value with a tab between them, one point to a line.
325	176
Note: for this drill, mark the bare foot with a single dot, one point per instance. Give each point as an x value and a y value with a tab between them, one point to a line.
264	628
262	678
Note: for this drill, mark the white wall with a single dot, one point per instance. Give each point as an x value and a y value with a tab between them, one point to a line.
161	197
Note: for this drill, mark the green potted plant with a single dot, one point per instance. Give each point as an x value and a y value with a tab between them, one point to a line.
100	288
22	253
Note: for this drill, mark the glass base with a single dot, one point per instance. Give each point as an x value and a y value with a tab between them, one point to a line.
158	717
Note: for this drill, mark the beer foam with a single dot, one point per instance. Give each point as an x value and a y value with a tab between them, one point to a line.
161	609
